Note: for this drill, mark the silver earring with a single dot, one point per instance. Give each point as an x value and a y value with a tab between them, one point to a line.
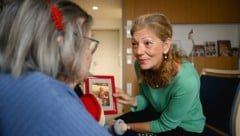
165	56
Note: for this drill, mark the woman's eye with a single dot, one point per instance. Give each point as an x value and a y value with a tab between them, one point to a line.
134	45
148	44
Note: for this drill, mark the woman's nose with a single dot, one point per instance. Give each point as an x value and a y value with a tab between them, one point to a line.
140	49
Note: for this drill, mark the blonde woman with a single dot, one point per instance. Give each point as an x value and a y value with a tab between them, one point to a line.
168	102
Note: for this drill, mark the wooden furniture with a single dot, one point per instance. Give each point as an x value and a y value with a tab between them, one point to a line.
220	72
216	62
186	11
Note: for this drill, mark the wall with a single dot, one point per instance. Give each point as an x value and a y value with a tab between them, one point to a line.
206	32
107	60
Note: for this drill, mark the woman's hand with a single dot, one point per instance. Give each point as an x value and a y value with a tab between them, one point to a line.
124	98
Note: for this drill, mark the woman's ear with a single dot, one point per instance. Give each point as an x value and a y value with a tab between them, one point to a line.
167	45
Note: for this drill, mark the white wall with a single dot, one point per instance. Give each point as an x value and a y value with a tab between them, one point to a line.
107	60
206	32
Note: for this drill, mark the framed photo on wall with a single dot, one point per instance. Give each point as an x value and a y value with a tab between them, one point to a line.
103	86
198	50
224	47
235	51
210	48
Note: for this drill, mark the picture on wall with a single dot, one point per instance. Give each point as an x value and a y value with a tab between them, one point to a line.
224	47
210	48
235	51
198	50
103	87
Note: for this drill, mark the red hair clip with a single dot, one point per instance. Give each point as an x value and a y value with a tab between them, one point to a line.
57	17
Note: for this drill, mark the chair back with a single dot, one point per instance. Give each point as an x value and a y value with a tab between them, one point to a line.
220	72
220	99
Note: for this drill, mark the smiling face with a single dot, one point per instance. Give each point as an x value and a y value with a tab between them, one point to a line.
149	49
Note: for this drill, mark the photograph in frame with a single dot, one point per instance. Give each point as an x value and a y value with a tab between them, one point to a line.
235	51
103	86
224	47
198	50
210	48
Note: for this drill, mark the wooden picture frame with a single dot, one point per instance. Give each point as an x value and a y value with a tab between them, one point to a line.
103	86
224	47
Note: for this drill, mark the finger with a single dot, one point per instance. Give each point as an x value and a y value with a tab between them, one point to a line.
119	90
121	96
122	101
118	94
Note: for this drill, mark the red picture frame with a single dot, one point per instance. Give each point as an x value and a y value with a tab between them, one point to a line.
103	86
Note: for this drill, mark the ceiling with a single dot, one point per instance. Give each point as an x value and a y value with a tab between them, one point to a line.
109	14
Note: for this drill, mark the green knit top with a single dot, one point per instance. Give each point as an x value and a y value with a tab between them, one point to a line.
179	102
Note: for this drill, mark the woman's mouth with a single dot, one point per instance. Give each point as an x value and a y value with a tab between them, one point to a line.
142	61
